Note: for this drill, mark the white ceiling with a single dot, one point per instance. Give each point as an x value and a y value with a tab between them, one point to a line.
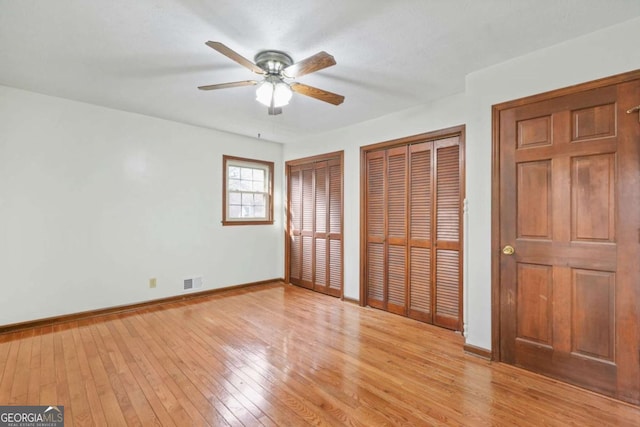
148	56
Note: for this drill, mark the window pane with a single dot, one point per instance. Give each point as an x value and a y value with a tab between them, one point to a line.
259	211
247	199
259	200
247	211
234	172
234	184
234	198
258	175
246	173
234	211
258	186
246	185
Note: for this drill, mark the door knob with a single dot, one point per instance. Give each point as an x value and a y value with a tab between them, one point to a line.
508	250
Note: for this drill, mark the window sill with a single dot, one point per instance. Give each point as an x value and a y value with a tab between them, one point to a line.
260	222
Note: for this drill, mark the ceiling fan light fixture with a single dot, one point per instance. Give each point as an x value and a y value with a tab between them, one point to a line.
264	92
273	92
276	66
281	94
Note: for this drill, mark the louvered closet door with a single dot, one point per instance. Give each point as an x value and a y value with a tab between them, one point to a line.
420	243
334	231
412	214
307	231
375	265
396	239
301	222
328	227
295	225
448	280
387	229
315	225
321	282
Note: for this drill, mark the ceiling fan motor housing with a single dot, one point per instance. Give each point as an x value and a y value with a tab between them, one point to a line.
273	61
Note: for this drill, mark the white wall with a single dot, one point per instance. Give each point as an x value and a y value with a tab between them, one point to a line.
94	202
610	51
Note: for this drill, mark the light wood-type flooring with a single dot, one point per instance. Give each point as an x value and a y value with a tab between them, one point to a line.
279	355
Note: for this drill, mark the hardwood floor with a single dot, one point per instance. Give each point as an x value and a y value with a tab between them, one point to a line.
279	355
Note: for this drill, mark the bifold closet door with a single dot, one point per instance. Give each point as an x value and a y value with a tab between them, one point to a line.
420	244
315	225
448	259
301	197
387	229
376	196
412	213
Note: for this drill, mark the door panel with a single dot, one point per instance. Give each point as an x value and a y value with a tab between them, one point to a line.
321	202
334	230
534	299
593	314
376	230
448	279
306	230
420	223
396	279
447	310
592	196
569	205
396	206
335	266
295	224
375	275
448	191
534	192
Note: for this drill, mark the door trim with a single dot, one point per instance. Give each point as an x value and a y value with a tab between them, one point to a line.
495	184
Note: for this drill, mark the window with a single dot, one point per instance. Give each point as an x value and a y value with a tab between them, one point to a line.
247	191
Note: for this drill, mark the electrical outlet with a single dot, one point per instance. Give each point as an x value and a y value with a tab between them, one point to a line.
152	282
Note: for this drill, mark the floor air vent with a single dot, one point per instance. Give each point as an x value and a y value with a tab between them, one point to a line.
192	283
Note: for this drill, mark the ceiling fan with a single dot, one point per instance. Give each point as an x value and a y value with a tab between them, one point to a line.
274	91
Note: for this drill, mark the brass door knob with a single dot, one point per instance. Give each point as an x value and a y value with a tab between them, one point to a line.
508	250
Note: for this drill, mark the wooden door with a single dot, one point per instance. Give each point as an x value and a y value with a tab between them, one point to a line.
387	229
447	232
376	230
314	224
412	229
420	304
328	227
569	206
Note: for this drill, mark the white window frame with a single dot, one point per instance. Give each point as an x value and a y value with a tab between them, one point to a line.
267	191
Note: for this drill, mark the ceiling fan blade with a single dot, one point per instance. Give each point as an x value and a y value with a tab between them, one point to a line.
235	56
310	65
322	95
228	85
